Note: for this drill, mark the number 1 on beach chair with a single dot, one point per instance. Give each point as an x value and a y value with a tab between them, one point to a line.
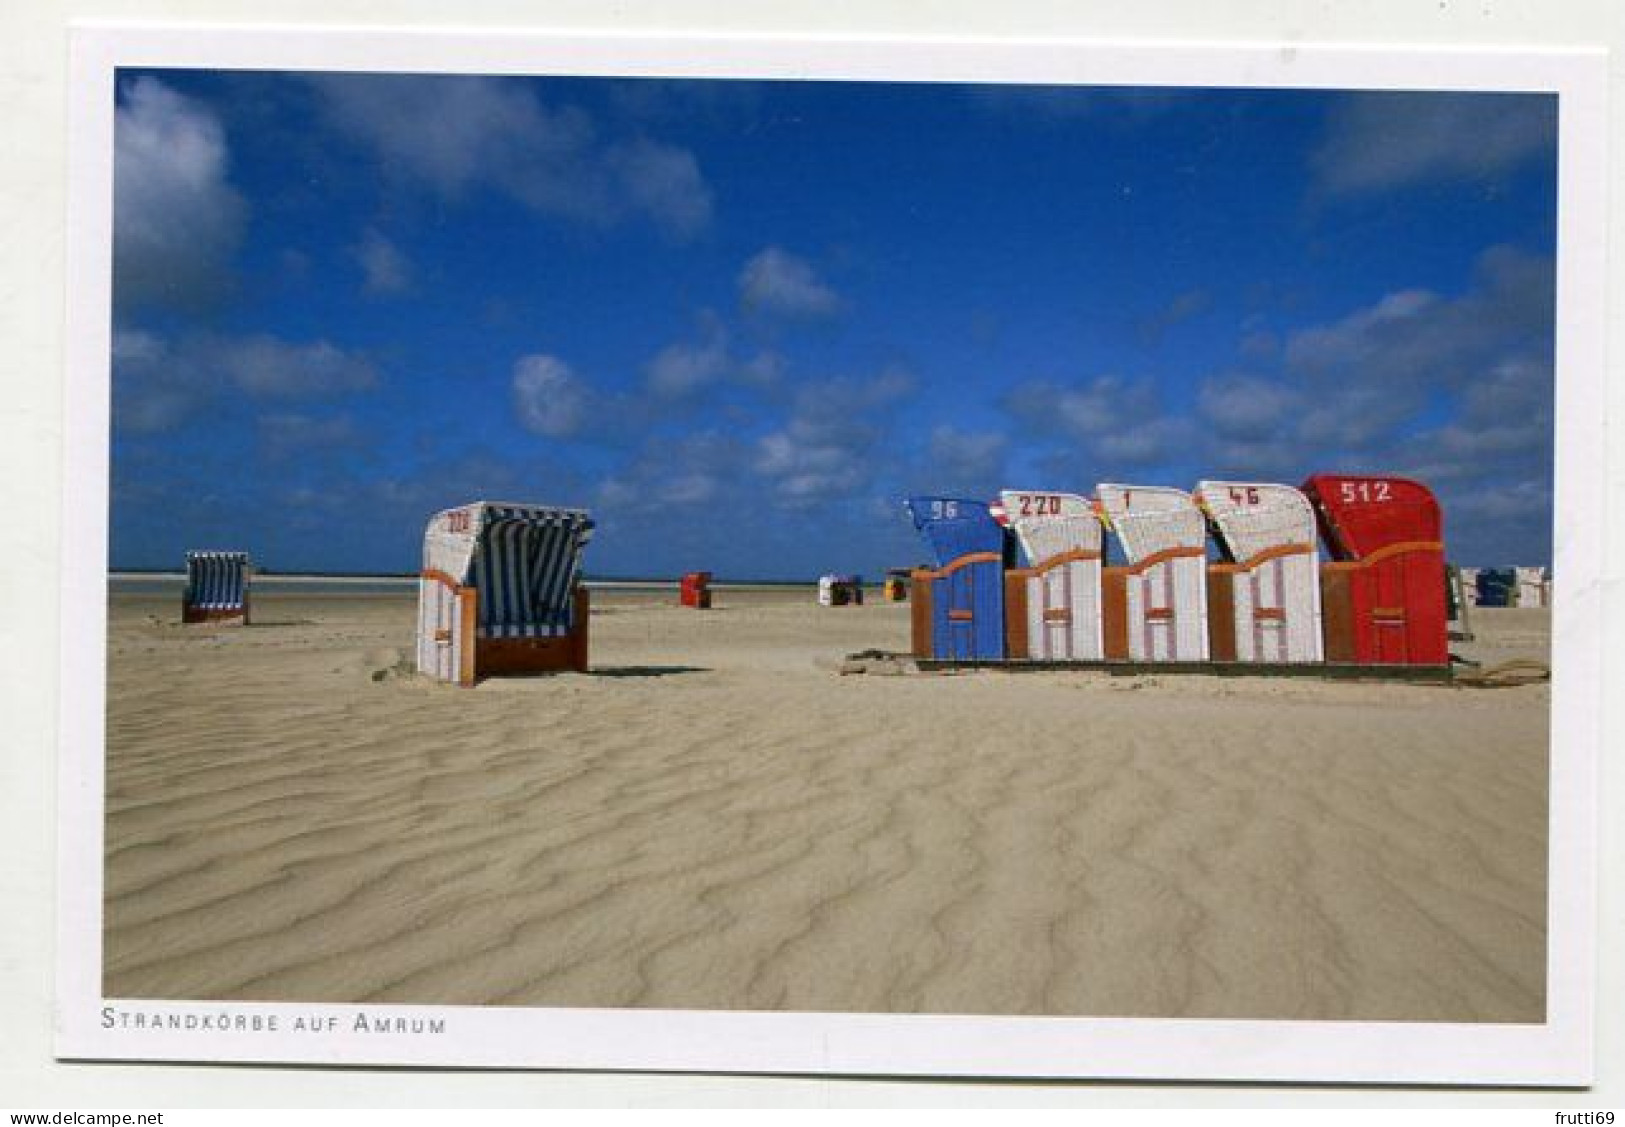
1164	539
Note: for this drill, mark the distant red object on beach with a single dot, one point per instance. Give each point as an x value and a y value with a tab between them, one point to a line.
694	590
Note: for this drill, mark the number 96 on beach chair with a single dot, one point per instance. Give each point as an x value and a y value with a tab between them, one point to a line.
500	593
958	605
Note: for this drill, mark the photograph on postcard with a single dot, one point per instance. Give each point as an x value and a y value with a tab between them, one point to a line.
830	546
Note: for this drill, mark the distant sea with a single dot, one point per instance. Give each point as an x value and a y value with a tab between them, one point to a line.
150	582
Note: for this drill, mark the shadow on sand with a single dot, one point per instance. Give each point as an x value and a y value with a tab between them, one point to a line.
643	670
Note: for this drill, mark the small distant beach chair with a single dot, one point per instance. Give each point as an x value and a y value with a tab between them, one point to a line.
895	589
1383	593
840	590
1155	608
1052	606
1497	587
499	592
1459	601
1264	599
1469	585
1530	586
216	588
957	609
694	590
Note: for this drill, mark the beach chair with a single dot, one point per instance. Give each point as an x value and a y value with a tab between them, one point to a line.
1155	608
694	590
1383	593
895	589
1469	585
1459	601
957	610
1529	586
216	588
835	590
1497	587
499	592
1052	606
1264	598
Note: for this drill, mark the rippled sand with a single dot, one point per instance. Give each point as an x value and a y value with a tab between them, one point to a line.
715	819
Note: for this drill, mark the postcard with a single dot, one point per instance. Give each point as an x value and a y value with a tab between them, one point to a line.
860	556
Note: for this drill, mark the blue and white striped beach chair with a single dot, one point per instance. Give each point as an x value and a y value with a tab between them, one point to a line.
500	593
216	587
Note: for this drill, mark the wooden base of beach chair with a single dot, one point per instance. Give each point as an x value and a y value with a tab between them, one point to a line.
1114	612
1337	611
1425	674
919	613
1387	616
1016	639
1221	612
498	656
217	616
951	612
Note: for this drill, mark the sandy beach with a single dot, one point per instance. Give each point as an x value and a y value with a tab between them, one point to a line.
716	818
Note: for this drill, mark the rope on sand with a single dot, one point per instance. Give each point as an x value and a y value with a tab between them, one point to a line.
1519	671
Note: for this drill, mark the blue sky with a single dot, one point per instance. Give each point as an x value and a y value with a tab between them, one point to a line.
740	321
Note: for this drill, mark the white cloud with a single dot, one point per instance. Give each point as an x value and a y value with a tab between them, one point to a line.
1382	140
151	391
698	469
265	365
548	397
177	221
1245	407
385	269
285	434
1183	307
779	282
1147	441
158	384
1116	419
1453	390
829	447
765	369
459	134
664	182
1412	341
683	368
